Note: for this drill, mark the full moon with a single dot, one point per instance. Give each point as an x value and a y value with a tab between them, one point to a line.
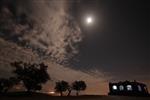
89	20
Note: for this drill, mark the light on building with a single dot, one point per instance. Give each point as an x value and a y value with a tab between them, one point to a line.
121	87
139	88
129	87
114	87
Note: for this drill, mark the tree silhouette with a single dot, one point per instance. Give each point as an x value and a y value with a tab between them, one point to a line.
61	87
79	86
69	90
32	75
6	84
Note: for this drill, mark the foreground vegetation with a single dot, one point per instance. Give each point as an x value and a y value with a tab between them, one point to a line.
33	76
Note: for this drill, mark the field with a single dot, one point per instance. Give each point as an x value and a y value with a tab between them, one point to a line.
39	96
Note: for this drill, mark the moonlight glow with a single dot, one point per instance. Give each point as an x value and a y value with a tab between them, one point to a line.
89	20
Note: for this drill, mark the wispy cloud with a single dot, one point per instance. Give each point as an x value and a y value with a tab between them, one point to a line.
45	26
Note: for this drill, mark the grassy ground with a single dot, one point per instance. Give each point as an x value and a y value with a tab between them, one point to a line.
39	96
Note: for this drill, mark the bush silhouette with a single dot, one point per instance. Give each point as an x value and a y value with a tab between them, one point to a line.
78	86
6	84
32	75
61	87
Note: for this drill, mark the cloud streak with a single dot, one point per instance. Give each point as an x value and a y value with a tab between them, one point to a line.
43	25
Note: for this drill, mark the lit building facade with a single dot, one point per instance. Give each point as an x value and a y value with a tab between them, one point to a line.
128	88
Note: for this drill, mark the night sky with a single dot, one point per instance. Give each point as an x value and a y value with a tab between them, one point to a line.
119	42
116	46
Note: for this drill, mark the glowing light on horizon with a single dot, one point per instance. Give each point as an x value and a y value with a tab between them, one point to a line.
52	92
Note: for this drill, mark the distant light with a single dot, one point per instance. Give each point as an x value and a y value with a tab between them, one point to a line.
114	87
129	87
121	87
139	88
89	20
52	92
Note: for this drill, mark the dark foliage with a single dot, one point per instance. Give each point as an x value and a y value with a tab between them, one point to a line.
6	84
61	87
78	86
32	75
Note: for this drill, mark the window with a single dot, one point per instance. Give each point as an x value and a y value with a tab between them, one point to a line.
139	88
145	88
129	87
114	87
121	87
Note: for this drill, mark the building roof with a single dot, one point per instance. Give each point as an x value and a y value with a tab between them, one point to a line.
129	82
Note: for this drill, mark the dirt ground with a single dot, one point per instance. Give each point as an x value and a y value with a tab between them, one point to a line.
48	97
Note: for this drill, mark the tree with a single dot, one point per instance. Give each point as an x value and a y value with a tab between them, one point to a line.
32	75
69	90
61	87
79	86
6	84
